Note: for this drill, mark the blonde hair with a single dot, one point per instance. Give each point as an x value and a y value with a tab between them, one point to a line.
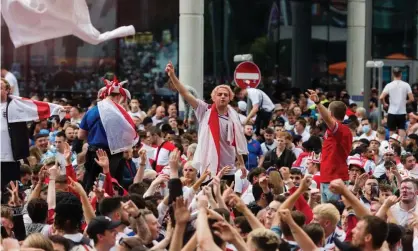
8	88
192	148
39	241
216	89
264	239
328	212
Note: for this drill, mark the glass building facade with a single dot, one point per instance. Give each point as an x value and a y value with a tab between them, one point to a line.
263	28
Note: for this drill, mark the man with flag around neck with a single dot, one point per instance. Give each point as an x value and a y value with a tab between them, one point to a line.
221	137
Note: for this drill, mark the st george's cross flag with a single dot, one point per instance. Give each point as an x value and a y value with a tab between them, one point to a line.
24	109
119	126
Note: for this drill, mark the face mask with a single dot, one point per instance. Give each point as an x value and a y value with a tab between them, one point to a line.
366	128
248	137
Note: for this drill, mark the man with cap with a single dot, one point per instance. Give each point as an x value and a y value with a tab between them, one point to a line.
101	127
279	112
102	230
397	91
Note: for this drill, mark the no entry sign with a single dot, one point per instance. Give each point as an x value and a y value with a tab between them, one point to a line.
247	74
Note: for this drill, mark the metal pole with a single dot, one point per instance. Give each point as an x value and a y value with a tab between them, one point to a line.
374	78
379	108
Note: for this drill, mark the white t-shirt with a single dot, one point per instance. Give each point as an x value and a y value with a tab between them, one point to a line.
401	216
372	136
305	135
140	114
13	83
257	96
398	91
265	148
227	151
156	121
6	153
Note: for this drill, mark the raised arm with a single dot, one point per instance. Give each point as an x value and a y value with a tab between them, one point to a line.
323	111
188	97
338	187
140	172
305	243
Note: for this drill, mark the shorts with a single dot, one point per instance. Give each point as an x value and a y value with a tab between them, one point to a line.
396	122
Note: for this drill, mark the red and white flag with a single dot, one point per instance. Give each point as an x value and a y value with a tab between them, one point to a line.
24	109
119	126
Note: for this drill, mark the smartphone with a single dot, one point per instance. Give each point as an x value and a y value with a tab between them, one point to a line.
4	233
101	180
374	192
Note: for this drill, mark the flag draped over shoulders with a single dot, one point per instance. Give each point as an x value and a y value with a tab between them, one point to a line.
38	20
207	154
119	126
23	110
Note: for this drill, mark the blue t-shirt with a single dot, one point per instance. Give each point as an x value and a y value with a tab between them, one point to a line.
93	124
254	151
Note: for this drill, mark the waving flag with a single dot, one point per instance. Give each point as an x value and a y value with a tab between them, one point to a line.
23	109
119	126
32	21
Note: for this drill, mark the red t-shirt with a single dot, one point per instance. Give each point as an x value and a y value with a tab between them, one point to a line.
335	150
317	179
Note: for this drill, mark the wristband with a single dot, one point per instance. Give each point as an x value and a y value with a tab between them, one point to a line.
317	103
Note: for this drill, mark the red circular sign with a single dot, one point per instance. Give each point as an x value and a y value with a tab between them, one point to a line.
247	74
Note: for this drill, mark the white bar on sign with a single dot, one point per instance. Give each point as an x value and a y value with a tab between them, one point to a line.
251	76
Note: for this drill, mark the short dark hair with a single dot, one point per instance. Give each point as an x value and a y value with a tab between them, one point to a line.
243	224
68	212
315	232
302	122
138	188
255	172
109	205
269	131
397	148
395	233
138	200
338	109
60	134
296	171
25	169
237	90
378	228
257	192
38	210
298	217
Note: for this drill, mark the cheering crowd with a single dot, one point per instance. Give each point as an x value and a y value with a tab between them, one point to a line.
311	172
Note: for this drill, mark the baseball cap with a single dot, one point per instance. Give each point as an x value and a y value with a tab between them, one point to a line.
100	224
40	135
44	131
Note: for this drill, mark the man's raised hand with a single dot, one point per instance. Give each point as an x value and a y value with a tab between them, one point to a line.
102	160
